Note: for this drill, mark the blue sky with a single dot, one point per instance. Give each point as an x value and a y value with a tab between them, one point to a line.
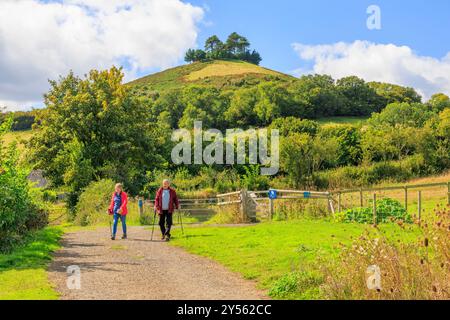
272	26
45	39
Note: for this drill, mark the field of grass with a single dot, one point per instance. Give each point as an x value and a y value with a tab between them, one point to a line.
227	68
219	73
23	274
270	253
21	137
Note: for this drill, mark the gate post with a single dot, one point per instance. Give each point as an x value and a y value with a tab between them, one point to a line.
244	209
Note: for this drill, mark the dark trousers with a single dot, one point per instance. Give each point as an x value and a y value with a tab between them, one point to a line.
165	222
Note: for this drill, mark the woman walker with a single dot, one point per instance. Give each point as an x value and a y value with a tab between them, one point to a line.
118	208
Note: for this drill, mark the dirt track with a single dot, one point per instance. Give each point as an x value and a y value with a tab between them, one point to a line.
137	268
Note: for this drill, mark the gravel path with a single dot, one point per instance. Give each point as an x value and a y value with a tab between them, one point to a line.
137	268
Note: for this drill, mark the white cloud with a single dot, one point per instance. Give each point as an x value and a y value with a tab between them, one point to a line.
379	62
42	40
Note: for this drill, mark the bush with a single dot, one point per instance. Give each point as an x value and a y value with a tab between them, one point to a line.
50	196
93	203
18	211
388	210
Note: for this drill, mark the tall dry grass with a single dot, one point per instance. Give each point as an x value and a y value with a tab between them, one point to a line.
409	270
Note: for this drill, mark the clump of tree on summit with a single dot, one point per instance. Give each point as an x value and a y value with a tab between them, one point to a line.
236	47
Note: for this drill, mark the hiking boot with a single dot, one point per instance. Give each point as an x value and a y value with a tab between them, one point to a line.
124	236
168	238
163	238
113	238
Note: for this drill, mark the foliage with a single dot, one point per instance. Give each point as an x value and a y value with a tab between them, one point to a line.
22	120
236	47
402	114
19	213
388	210
94	127
394	93
290	125
93	203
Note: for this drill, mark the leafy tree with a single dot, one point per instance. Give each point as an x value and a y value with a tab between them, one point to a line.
402	114
291	125
96	124
205	104
271	102
193	55
236	44
348	140
361	99
19	212
302	156
236	47
316	96
215	48
241	110
438	102
395	93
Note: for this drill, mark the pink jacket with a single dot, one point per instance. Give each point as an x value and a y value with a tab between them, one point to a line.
123	206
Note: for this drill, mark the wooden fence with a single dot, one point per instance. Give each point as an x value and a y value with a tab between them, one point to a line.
257	205
251	203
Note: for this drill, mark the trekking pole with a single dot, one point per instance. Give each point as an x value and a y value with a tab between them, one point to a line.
154	219
181	221
110	224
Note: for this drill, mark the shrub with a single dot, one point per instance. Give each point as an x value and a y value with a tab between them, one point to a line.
93	203
388	210
18	211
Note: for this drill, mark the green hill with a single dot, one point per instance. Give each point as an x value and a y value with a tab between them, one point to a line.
220	73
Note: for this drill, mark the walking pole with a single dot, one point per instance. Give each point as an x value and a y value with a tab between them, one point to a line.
181	221
154	219
110	224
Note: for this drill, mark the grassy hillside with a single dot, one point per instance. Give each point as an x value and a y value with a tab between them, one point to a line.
219	73
21	137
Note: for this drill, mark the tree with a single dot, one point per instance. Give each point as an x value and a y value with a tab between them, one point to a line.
214	48
236	47
236	44
290	125
302	156
438	102
348	140
395	93
316	96
402	114
360	98
96	125
241	110
205	104
195	55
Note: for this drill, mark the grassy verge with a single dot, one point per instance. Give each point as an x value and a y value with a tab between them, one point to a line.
23	273
275	254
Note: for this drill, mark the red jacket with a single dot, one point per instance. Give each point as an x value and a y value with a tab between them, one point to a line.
123	206
173	201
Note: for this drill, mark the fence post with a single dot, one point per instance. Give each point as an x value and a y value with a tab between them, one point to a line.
375	209
339	201
448	193
406	198
419	204
361	200
271	208
141	207
244	205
